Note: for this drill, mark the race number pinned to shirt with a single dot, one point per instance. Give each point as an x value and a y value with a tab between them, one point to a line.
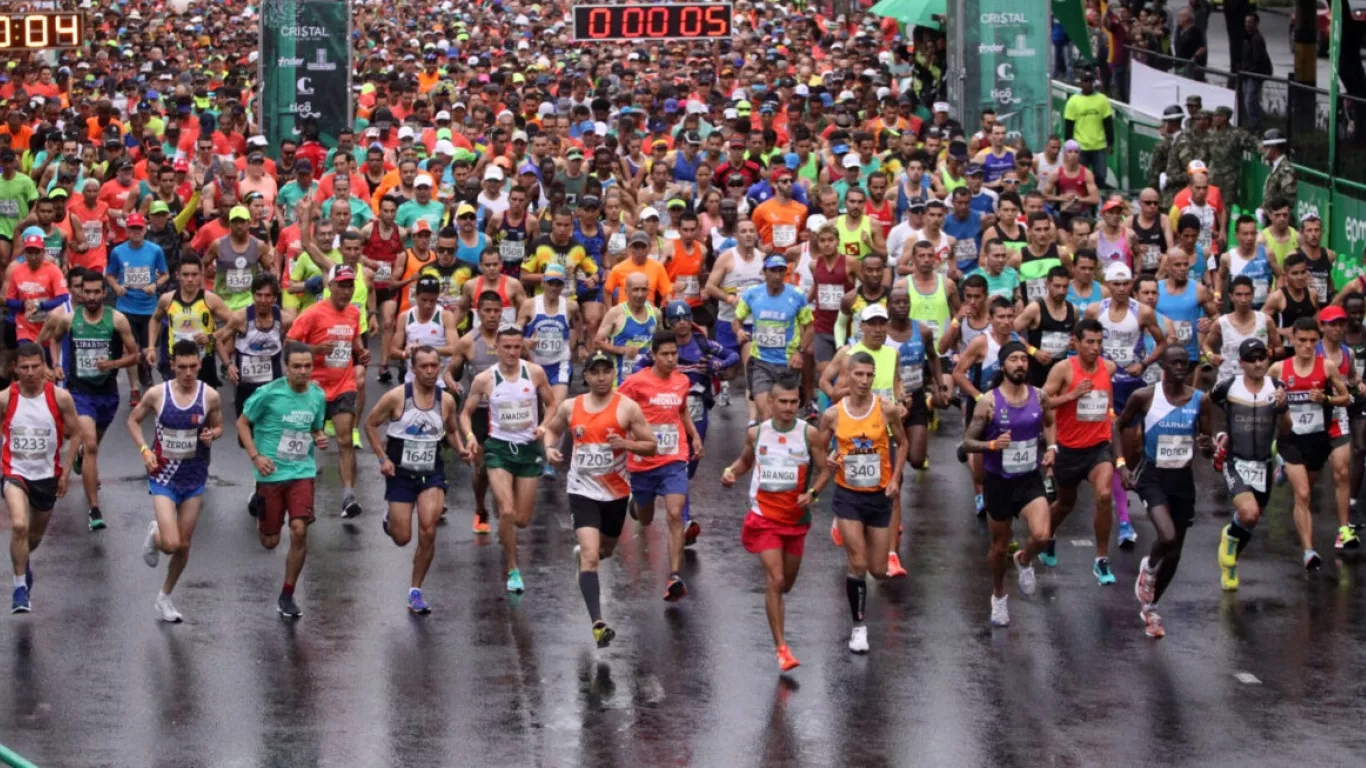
1020	457
666	436
1093	406
293	445
179	444
863	470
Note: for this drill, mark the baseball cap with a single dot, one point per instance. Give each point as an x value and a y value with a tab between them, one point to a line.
1113	205
916	203
422	225
649	213
422	180
553	272
974	169
1118	271
465	209
1197	166
493	173
590	201
341	273
1251	348
137	220
239	213
851	161
428	284
775	262
34	241
600	358
1173	112
639	237
677	310
1332	313
873	311
159	206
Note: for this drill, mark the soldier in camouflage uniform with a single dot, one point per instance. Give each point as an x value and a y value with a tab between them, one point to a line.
1170	129
1281	183
1192	144
1228	142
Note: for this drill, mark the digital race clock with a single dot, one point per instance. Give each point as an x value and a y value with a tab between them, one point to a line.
674	21
41	29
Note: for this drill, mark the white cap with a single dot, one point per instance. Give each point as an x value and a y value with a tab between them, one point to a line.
422	180
883	93
458	105
523	45
941	106
600	128
815	221
443	115
519	136
873	310
258	141
505	114
1118	271
649	213
730	113
406	132
493	173
472	61
802	90
696	108
1197	166
845	96
546	108
851	160
443	147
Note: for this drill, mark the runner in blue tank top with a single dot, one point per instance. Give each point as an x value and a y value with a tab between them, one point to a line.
1184	301
1174	418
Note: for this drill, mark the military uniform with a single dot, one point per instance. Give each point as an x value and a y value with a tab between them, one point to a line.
1191	145
1158	164
1281	183
1227	146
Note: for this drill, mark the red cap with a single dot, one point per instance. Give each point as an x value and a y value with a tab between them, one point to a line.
1112	205
136	220
1331	313
422	225
181	165
342	273
34	241
781	173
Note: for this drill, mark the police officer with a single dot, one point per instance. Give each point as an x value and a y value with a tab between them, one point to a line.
1281	181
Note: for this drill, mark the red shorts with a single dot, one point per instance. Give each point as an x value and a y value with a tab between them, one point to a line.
294	497
761	534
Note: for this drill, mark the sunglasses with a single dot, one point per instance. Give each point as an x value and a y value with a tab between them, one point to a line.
447	249
1148	202
466	217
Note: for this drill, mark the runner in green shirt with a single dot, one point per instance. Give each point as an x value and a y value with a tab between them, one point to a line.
17	193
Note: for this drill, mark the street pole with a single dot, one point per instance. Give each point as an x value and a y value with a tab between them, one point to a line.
1337	8
1302	106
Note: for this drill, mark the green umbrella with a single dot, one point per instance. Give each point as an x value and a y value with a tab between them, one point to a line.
916	12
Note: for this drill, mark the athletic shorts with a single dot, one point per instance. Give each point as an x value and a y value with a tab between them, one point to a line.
1309	451
1122	387
42	494
1237	484
517	459
139	324
10	334
668	480
479	423
343	403
405	487
919	413
585	295
760	534
1073	465
101	408
725	335
1170	488
608	517
293	498
872	508
762	376
824	347
1341	440
178	496
1005	497
386	294
558	373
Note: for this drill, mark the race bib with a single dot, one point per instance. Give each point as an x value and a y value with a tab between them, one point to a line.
1120	350
689	286
515	250
385	272
32	445
784	235
1150	256
913	377
863	470
1260	287
1174	451
516	415
9	208
777	477
615	243
1319	285
293	445
137	277
418	456
255	369
339	356
593	458
87	362
770	336
1252	473
1054	343
1093	406
1184	330
1036	289
1306	418
94	233
179	444
1020	457
549	343
666	435
696	408
238	279
829	296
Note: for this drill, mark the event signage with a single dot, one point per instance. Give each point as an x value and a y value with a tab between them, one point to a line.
305	69
671	21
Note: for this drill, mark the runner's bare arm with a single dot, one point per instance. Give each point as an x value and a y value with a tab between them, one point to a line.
150	402
971	355
213	406
130	346
744	461
972	435
72	424
903	447
554	428
643	438
1059	379
834	374
382	413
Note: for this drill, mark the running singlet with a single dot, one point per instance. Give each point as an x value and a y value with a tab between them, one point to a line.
511	240
1034	271
831	285
1251	419
1053	336
781	462
235	271
865	445
548	333
1151	242
1184	310
483	357
384	251
1257	268
182	459
1123	338
33	434
1169	431
1294	310
861	302
931	309
187	320
777	321
85	346
509	315
1085	422
1306	417
985	370
1231	338
854	242
1340	425
513	407
414	441
660	400
1112	251
259	351
1025	424
743	275
911	355
635	335
1320	277
595	470
417	333
884	368
1082	302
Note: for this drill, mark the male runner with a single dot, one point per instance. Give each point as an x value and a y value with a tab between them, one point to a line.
425	324
552	325
781	495
419	415
280	426
921	376
1231	330
629	327
480	348
605	427
782	326
736	270
189	418
515	391
89	339
1013	417
38	419
1047	326
974	372
136	273
188	313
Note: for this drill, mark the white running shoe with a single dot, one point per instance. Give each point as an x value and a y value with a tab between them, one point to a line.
1000	614
858	640
150	553
1027	583
167	610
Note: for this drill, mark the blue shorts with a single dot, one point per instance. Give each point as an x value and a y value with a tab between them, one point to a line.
1124	386
557	373
725	335
584	295
101	408
404	487
668	480
702	433
176	495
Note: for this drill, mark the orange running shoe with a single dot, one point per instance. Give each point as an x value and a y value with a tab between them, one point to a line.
1152	622
835	533
480	525
894	569
786	661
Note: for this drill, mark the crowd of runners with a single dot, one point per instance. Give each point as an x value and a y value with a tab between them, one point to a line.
785	222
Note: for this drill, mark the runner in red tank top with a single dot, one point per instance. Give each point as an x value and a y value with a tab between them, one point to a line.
1082	396
383	245
832	279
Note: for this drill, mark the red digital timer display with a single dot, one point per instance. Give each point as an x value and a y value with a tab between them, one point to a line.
41	29
673	21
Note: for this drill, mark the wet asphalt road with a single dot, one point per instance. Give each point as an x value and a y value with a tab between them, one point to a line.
95	680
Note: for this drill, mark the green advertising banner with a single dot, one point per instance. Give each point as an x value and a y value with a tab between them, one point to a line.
1004	50
305	68
1347	233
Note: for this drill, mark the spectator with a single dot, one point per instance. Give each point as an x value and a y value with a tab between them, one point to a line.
1256	61
1190	46
1089	120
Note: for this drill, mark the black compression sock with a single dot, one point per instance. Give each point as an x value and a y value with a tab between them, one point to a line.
856	588
1243	535
588	585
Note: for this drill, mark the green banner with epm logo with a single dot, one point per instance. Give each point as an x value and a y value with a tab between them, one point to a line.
305	69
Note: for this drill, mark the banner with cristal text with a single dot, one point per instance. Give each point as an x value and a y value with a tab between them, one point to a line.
305	69
1005	46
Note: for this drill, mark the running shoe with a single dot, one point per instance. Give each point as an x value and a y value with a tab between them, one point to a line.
166	610
934	420
1281	478
675	590
329	428
723	398
548	471
416	604
858	640
962	454
1152	622
1228	548
355	438
1128	537
786	661
980	502
603	635
1312	561
79	464
150	553
835	533
691	533
1049	556
256	505
144	375
385	375
96	519
1347	538
1027	582
1000	611
351	510
287	607
894	569
20	603
578	562
480	524
1101	570
384	525
515	584
1145	586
